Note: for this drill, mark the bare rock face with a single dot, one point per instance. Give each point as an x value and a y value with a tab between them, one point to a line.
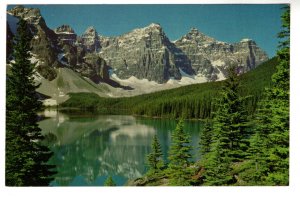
249	53
210	57
79	53
67	39
145	53
44	41
59	48
66	34
95	68
90	40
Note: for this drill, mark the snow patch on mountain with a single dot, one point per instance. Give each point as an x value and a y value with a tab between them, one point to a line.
218	63
66	32
145	86
133	81
221	76
187	79
246	40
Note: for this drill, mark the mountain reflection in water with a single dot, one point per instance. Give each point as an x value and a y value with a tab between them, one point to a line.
90	148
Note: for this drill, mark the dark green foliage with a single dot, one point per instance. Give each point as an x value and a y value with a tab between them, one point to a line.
109	182
285	32
230	134
206	139
88	101
179	155
230	121
192	101
217	165
26	158
270	145
155	158
258	153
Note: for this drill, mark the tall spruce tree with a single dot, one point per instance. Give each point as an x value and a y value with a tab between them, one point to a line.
217	165
26	158
272	127
259	143
230	133
155	158
230	121
179	155
205	139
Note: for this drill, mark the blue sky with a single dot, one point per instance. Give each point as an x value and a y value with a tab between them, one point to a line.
229	23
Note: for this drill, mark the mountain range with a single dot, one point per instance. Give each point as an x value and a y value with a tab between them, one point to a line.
141	61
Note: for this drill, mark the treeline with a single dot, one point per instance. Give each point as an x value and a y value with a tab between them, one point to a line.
190	102
235	149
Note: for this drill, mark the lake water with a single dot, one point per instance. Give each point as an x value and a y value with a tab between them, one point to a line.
89	148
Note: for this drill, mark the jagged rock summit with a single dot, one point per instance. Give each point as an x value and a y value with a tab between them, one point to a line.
194	35
66	34
31	15
90	40
143	53
44	41
210	57
64	29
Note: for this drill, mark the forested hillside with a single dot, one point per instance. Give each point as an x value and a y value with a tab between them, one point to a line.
193	101
236	149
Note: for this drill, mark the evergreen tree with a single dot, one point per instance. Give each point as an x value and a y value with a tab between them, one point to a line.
217	165
109	182
272	128
205	139
154	159
26	157
258	150
230	129
230	121
179	155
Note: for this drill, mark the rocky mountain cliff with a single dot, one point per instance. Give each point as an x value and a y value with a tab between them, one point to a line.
90	40
144	53
210	57
61	47
44	41
80	53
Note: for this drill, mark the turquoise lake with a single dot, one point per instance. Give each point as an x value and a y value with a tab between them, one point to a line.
89	148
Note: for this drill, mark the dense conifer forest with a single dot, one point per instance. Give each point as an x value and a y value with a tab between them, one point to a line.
190	102
235	148
245	140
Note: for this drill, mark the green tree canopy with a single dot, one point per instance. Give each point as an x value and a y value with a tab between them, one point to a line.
272	126
205	139
155	159
230	133
179	155
26	157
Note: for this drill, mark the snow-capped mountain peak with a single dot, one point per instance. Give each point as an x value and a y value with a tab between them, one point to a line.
143	53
